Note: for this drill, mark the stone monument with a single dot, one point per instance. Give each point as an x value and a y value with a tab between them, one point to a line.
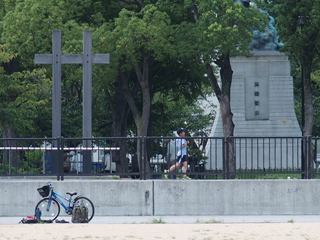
262	102
262	105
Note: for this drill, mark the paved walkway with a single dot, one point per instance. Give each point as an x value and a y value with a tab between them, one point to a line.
187	219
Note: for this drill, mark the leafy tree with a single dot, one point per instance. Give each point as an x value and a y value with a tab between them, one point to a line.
4	58
31	34
315	76
144	61
143	44
22	96
223	29
144	41
174	104
298	26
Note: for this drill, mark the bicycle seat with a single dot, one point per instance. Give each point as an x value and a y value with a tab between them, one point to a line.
72	193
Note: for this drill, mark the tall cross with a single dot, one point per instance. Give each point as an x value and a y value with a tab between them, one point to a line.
86	59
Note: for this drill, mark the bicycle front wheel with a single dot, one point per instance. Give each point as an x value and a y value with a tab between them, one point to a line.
83	201
50	210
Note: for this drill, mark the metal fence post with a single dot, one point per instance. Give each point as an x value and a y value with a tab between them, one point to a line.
144	157
55	158
60	158
310	162
225	158
87	155
140	158
304	159
10	162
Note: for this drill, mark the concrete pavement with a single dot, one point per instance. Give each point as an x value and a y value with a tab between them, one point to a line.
186	219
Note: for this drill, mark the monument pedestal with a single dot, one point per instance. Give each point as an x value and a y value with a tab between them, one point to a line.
262	102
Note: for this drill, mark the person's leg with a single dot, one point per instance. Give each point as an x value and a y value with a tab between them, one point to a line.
176	165
173	167
185	168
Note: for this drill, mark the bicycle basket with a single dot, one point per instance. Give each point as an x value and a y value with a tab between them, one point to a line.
44	191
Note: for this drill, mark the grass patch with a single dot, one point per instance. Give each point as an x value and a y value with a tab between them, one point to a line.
158	221
209	221
214	221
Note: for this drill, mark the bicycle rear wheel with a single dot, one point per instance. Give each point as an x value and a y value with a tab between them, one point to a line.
48	213
83	201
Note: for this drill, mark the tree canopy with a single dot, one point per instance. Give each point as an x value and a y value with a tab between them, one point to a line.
298	26
135	35
165	55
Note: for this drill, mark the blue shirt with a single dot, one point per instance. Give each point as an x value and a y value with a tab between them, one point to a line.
181	150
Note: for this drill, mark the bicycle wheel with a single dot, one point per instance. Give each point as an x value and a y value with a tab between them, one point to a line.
83	201
48	214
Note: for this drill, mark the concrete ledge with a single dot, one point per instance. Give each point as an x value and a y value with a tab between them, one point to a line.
172	197
237	197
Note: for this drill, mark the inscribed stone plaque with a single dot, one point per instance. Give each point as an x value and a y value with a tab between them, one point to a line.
256	98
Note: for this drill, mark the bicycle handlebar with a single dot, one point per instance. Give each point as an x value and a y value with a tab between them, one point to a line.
50	185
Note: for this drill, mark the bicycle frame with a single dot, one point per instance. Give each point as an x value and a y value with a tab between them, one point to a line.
52	210
57	197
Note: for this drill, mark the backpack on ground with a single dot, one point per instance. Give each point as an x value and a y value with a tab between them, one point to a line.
80	214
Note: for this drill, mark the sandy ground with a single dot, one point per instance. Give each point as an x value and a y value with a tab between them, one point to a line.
195	231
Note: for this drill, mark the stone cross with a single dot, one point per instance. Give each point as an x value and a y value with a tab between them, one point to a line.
86	59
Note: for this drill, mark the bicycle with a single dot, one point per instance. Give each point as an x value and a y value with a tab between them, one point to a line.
49	206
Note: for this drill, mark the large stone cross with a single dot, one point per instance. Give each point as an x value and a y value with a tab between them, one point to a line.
86	59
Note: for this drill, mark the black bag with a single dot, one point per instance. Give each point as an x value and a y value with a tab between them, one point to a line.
28	221
80	215
25	220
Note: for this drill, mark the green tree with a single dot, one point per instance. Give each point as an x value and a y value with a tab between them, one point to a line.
4	58
143	43
298	26
224	30
315	76
22	97
31	33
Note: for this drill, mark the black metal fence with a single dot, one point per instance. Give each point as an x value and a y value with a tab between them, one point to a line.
148	157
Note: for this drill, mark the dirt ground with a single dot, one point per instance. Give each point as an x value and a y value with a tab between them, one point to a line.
196	231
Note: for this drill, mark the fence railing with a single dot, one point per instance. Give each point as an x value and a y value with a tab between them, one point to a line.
148	157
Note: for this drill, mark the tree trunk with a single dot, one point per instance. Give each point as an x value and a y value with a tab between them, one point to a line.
142	121
10	156
119	129
307	128
228	129
223	94
308	103
141	118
